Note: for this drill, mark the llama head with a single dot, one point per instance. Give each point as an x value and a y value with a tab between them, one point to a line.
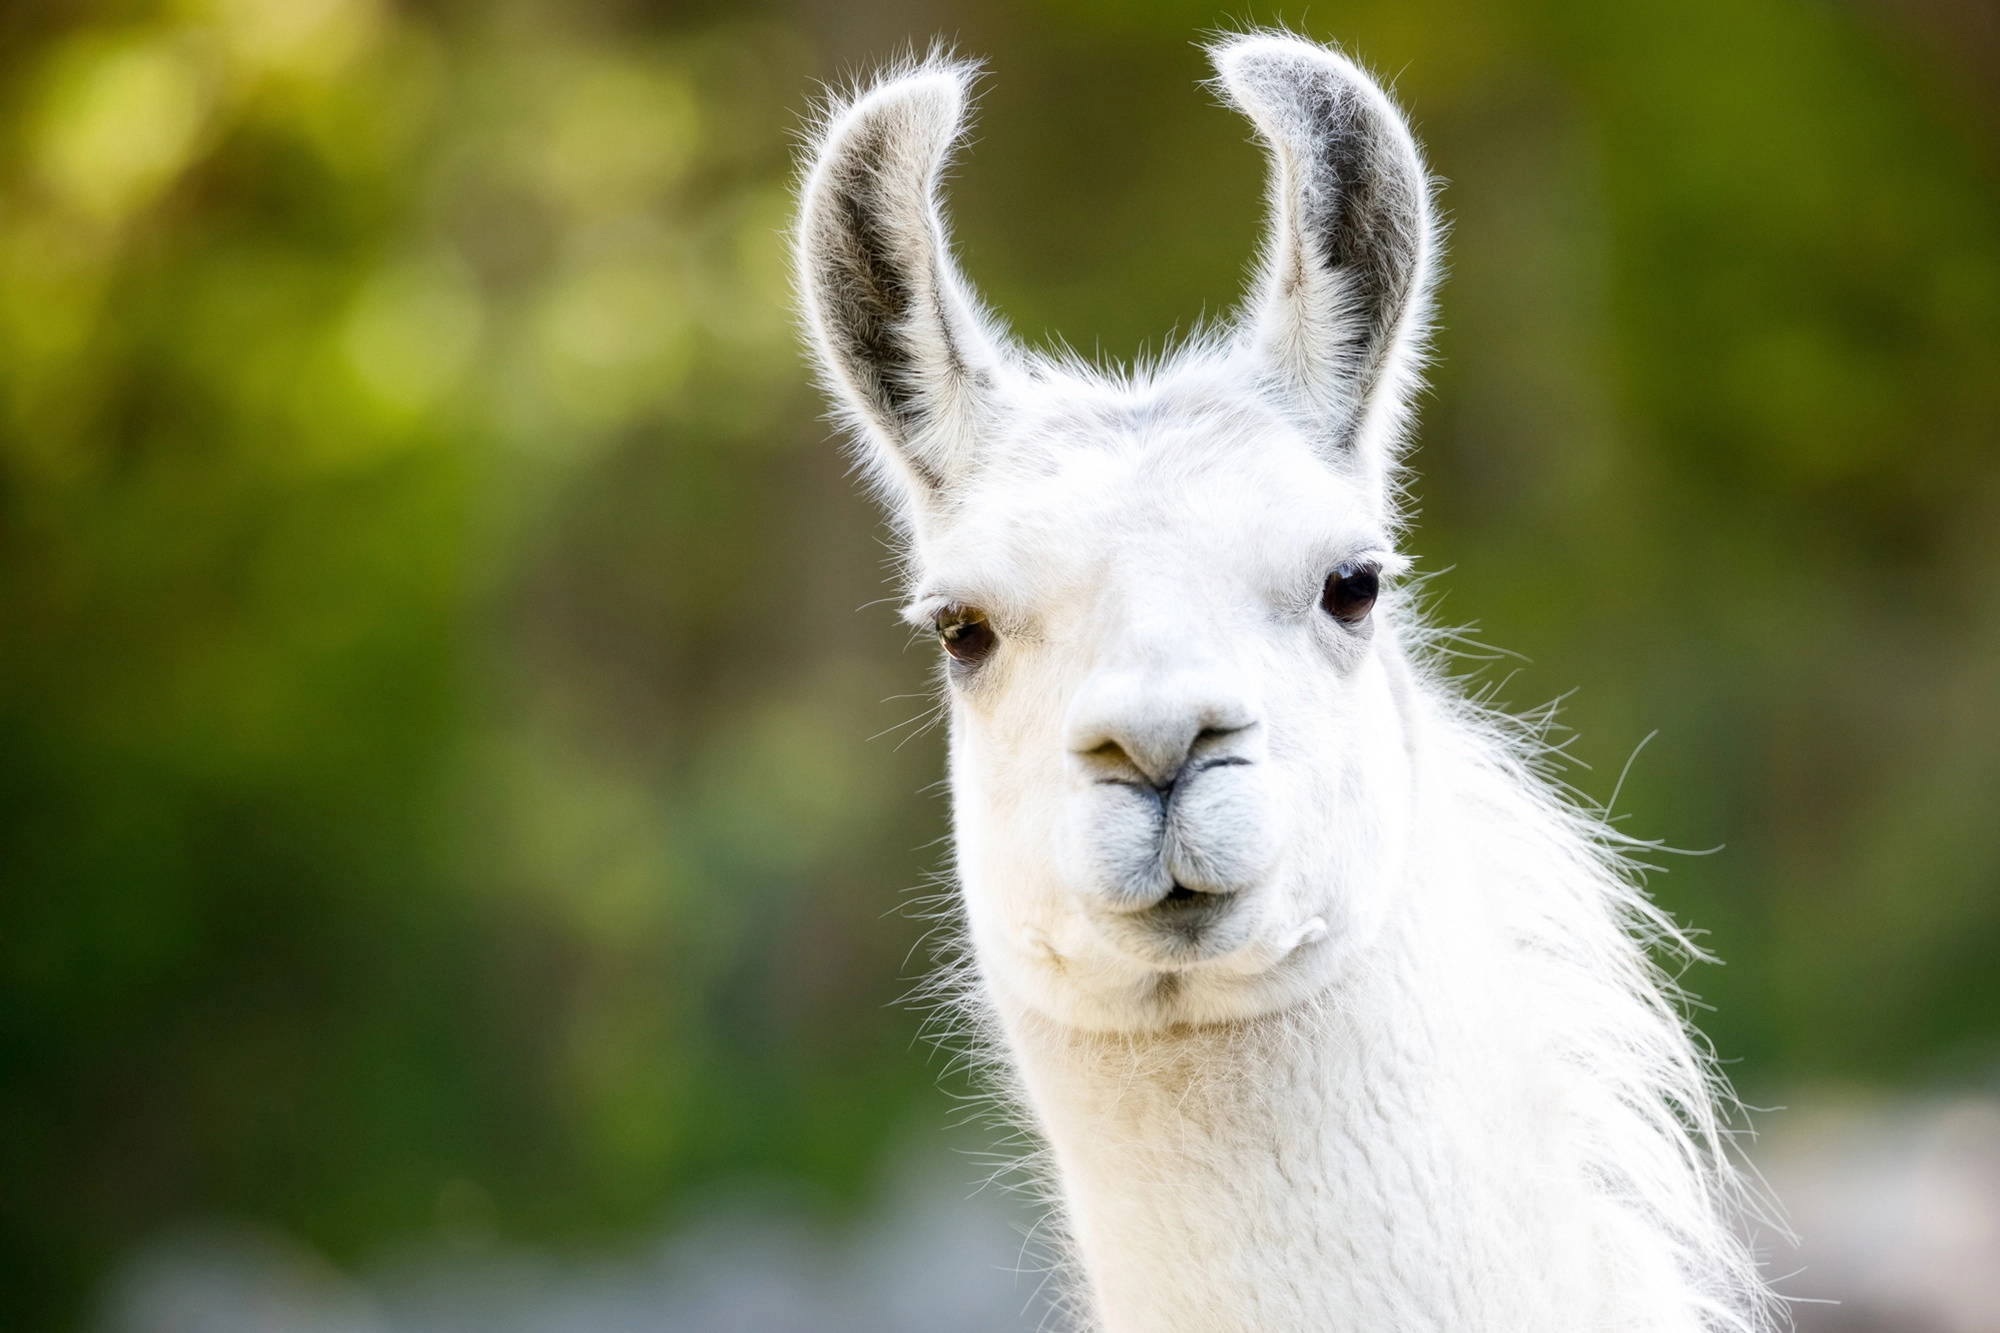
1179	773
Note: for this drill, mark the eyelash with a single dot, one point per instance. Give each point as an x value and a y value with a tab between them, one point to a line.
1303	597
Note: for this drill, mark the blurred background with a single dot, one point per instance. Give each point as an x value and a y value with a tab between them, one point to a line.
462	796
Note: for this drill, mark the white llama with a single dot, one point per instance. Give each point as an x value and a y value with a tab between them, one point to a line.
1332	1012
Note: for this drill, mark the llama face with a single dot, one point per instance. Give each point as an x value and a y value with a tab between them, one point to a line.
1177	759
1177	773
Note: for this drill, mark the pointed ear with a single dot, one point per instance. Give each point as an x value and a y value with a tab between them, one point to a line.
900	341
1340	312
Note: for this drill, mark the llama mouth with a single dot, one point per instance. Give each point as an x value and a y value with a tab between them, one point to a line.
1184	917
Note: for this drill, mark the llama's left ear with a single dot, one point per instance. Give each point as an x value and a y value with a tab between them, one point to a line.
1339	317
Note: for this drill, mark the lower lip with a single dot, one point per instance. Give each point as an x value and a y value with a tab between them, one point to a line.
1186	915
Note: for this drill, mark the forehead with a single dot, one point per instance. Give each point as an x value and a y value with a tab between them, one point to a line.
1080	495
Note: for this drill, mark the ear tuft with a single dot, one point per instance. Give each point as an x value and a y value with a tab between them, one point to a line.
899	339
1350	251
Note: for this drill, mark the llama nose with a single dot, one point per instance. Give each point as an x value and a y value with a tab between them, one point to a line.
1122	724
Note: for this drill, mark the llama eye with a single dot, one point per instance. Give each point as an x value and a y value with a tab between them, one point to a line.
1350	592
965	634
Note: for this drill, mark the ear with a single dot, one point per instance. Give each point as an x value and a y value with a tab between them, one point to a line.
900	341
1340	311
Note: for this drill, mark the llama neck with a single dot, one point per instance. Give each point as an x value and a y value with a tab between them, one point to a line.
1394	1156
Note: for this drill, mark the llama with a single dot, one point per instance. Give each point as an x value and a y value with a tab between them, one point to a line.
1331	1011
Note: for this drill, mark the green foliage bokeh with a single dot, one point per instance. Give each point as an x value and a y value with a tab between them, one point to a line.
437	739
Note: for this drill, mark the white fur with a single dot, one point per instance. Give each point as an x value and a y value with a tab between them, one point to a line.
1405	1063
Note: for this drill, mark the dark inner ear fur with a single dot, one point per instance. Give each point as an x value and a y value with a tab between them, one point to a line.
1360	205
866	277
875	258
1362	219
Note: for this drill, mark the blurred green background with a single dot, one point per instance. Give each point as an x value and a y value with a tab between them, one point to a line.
442	756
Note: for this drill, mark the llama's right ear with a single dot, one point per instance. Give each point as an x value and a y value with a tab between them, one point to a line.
899	338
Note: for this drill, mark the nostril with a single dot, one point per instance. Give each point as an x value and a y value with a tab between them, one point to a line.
1113	755
1121	764
1210	735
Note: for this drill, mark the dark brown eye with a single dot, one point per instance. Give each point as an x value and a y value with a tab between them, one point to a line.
1350	592
965	634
